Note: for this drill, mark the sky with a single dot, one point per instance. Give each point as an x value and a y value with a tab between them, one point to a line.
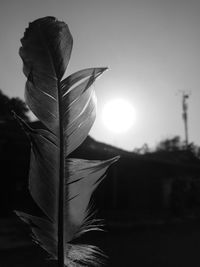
152	49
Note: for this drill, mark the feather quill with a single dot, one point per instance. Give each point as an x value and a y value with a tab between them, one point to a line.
60	186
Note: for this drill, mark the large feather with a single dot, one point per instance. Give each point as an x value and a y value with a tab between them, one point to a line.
60	186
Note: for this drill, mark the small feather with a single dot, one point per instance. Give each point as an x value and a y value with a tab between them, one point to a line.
61	187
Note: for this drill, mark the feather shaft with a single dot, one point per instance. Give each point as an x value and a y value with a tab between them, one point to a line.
61	233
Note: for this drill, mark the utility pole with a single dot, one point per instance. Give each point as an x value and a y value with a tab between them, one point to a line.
185	97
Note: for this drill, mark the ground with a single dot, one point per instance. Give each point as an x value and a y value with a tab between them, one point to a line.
174	244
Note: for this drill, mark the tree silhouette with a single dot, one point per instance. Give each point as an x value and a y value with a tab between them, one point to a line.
7	105
171	144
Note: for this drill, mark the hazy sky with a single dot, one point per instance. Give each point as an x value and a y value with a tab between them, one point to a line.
152	48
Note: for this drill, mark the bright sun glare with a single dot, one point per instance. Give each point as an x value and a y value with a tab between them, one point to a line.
118	115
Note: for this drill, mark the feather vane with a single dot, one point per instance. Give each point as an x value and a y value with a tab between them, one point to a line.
60	186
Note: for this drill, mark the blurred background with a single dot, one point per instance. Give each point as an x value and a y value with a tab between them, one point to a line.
150	200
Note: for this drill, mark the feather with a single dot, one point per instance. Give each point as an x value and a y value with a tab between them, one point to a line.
60	186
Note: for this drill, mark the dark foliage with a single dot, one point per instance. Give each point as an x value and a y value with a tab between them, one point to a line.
7	105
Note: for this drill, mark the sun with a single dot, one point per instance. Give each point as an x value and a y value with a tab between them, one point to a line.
118	115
